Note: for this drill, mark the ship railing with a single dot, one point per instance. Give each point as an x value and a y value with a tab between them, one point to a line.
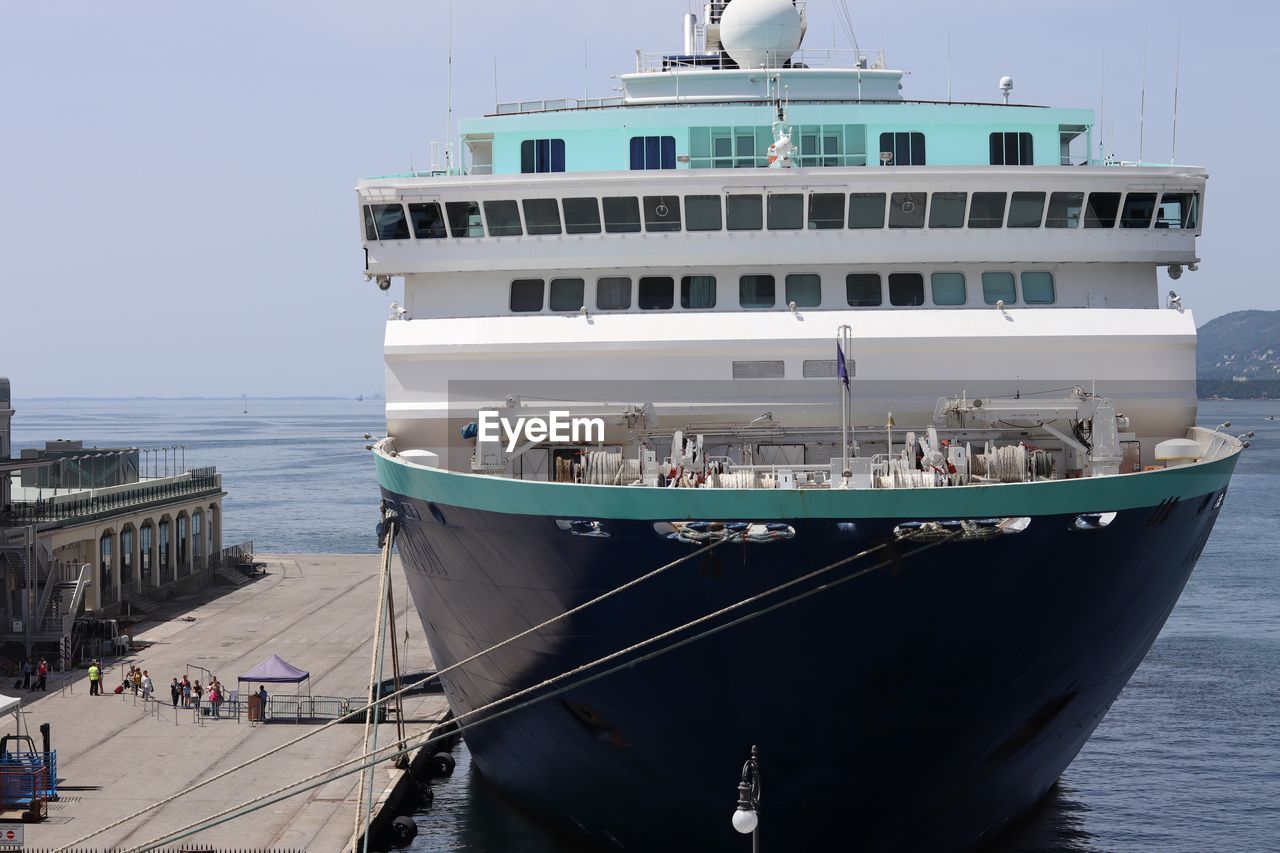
717	7
544	105
653	62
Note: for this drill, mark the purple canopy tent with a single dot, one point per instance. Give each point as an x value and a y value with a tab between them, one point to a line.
277	670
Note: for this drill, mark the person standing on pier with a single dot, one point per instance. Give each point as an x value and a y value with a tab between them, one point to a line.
147	686
28	670
186	692
95	672
196	691
42	675
175	690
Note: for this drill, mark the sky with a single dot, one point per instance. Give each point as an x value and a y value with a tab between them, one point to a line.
179	216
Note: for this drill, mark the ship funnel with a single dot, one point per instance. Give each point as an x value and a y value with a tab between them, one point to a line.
690	34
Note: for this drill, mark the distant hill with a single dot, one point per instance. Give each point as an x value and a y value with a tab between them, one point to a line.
1238	355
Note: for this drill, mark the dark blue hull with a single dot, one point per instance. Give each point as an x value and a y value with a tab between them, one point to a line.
921	706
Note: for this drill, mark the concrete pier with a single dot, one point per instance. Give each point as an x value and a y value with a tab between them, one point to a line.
117	754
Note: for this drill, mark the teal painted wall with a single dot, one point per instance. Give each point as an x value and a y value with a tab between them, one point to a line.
598	140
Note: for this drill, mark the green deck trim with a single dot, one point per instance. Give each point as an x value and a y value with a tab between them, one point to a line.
563	500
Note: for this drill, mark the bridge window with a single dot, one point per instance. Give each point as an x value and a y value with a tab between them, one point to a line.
1026	210
866	210
657	293
464	218
822	146
581	216
728	147
388	222
805	289
1011	149
613	293
503	218
1138	210
702	213
744	212
1179	210
661	213
428	221
902	149
526	295
862	290
906	288
786	212
541	216
998	286
542	155
698	291
567	294
987	210
756	291
1037	288
653	152
621	214
906	210
947	210
1101	210
948	288
1064	210
826	211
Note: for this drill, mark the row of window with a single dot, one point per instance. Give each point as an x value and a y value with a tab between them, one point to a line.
804	290
725	148
782	212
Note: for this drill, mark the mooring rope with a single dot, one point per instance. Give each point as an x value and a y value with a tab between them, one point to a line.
364	802
426	738
414	686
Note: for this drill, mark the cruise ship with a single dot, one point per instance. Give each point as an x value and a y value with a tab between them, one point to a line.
888	468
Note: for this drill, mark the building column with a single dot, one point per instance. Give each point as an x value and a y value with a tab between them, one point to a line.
135	557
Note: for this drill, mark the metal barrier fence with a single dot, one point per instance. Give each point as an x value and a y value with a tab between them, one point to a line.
294	709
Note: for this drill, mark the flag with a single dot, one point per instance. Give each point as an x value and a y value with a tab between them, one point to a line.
842	367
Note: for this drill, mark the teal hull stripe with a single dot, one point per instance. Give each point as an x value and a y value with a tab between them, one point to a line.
561	500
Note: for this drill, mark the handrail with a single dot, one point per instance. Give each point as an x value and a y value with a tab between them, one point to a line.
62	508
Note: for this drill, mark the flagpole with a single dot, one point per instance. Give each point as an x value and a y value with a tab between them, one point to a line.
842	372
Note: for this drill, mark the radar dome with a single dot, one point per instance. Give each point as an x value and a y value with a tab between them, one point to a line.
761	33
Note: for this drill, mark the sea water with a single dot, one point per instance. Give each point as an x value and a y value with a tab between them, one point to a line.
1188	758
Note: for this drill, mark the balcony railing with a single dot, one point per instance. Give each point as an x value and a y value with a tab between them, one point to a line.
199	480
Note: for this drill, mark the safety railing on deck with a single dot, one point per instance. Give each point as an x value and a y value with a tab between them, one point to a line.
649	62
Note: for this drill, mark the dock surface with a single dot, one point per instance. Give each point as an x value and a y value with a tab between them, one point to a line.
117	754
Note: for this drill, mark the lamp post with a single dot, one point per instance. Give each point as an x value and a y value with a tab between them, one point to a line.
745	819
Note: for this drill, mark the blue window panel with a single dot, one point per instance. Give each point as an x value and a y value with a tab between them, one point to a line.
538	156
637	153
653	152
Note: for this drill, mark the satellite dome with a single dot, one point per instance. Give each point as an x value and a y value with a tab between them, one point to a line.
761	33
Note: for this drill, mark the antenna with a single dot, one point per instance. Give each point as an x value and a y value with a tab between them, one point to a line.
448	124
1177	71
949	67
1142	114
495	82
1102	110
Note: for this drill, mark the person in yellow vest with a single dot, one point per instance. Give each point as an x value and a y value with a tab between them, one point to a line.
95	676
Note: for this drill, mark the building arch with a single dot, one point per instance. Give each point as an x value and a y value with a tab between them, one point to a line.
182	544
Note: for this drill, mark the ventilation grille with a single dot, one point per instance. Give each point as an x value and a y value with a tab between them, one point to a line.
826	368
759	370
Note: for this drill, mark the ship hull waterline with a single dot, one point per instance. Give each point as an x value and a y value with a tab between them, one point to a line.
928	701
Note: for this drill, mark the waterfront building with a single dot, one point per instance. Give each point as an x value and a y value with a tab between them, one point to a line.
97	532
